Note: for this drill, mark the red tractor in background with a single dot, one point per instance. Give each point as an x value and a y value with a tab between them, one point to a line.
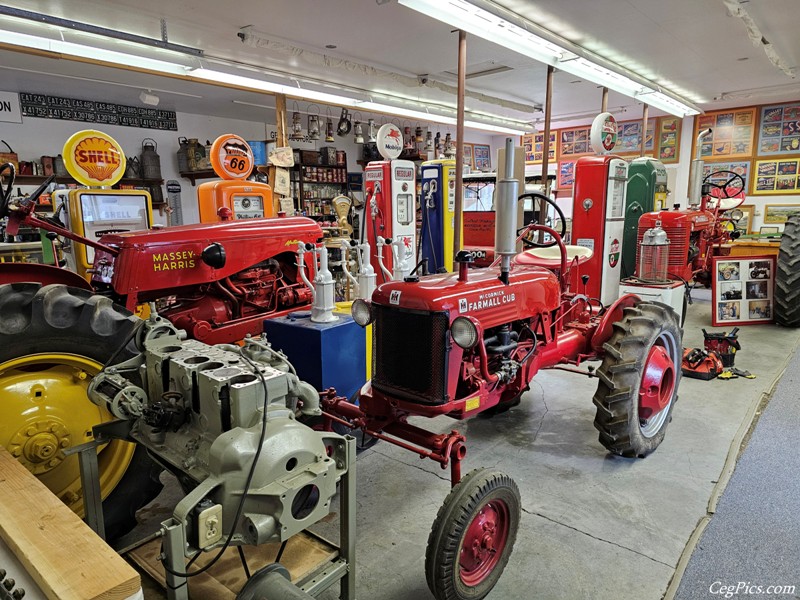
216	281
461	344
696	234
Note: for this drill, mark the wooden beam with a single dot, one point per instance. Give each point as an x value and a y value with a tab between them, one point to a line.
548	112
604	101
462	79
281	140
65	558
645	114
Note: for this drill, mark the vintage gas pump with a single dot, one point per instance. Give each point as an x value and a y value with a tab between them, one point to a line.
438	203
598	213
96	160
647	192
232	197
390	207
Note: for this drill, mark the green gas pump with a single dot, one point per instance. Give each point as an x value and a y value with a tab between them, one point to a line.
647	191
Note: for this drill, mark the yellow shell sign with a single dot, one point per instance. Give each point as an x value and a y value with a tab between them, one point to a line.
94	158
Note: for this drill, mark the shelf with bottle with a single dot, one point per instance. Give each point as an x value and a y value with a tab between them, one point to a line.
323	174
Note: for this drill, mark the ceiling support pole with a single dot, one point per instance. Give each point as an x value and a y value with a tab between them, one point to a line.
604	102
645	114
548	111
459	207
281	141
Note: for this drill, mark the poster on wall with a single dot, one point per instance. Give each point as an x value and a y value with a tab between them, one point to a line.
742	290
740	167
777	177
482	157
669	139
468	164
779	129
566	175
533	145
778	214
629	138
732	133
574	142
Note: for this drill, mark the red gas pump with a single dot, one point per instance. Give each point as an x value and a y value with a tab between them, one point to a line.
390	209
598	221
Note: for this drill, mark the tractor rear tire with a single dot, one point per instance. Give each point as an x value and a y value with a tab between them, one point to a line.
53	339
787	281
641	369
473	536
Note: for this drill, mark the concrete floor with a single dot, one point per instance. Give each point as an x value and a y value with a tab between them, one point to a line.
593	525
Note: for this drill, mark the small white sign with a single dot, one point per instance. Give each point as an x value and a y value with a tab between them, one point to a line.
9	108
394	297
462	305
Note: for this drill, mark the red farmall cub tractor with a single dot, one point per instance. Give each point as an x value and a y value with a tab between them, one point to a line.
459	344
217	281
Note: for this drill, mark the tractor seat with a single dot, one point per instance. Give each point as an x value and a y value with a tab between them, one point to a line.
550	258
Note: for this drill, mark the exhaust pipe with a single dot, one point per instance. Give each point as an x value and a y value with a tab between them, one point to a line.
505	206
696	171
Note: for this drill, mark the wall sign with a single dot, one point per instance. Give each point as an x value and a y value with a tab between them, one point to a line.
669	139
604	134
533	146
574	142
9	108
41	106
566	175
777	176
630	138
779	131
231	157
390	141
732	133
740	167
482	155
742	290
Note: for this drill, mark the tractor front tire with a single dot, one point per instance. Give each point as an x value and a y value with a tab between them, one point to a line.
473	536
638	380
53	340
787	282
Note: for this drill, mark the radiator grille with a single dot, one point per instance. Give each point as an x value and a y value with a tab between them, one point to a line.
410	351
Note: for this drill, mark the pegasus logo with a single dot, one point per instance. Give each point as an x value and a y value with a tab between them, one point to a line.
394	134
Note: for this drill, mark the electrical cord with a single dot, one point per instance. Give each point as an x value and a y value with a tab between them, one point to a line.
244	561
246	491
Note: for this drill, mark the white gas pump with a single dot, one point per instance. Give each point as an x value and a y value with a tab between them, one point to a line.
323	288
365	284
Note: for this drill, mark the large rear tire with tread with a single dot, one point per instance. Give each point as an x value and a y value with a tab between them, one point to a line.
473	536
53	339
639	379
787	281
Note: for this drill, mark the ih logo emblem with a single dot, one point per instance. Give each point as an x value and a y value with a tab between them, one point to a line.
394	297
462	305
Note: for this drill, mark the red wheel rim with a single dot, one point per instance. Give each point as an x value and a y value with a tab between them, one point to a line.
483	542
658	382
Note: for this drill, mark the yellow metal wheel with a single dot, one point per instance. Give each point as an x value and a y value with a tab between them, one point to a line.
44	409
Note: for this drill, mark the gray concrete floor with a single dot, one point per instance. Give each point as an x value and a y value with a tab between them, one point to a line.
593	526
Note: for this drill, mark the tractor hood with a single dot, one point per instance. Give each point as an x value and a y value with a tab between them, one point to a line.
530	290
170	258
694	220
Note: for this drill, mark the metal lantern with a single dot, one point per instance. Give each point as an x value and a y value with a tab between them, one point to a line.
418	134
437	141
329	128
297	127
358	138
407	139
313	126
344	126
429	141
372	131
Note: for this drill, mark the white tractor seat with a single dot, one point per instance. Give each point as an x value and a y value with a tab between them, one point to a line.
550	258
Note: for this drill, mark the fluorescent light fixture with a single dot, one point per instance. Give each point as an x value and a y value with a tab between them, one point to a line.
565	56
325	97
90	52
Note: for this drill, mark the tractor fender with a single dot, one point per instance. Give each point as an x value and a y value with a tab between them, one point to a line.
13	272
613	314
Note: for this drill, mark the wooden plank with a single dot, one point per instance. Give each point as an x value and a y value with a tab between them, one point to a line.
65	558
304	555
281	141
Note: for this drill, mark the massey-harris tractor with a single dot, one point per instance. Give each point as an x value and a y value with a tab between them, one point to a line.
215	281
465	343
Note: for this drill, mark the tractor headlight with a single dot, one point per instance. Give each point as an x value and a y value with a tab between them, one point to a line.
362	312
464	332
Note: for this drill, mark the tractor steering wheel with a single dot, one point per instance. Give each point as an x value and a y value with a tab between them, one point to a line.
732	178
8	170
528	239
